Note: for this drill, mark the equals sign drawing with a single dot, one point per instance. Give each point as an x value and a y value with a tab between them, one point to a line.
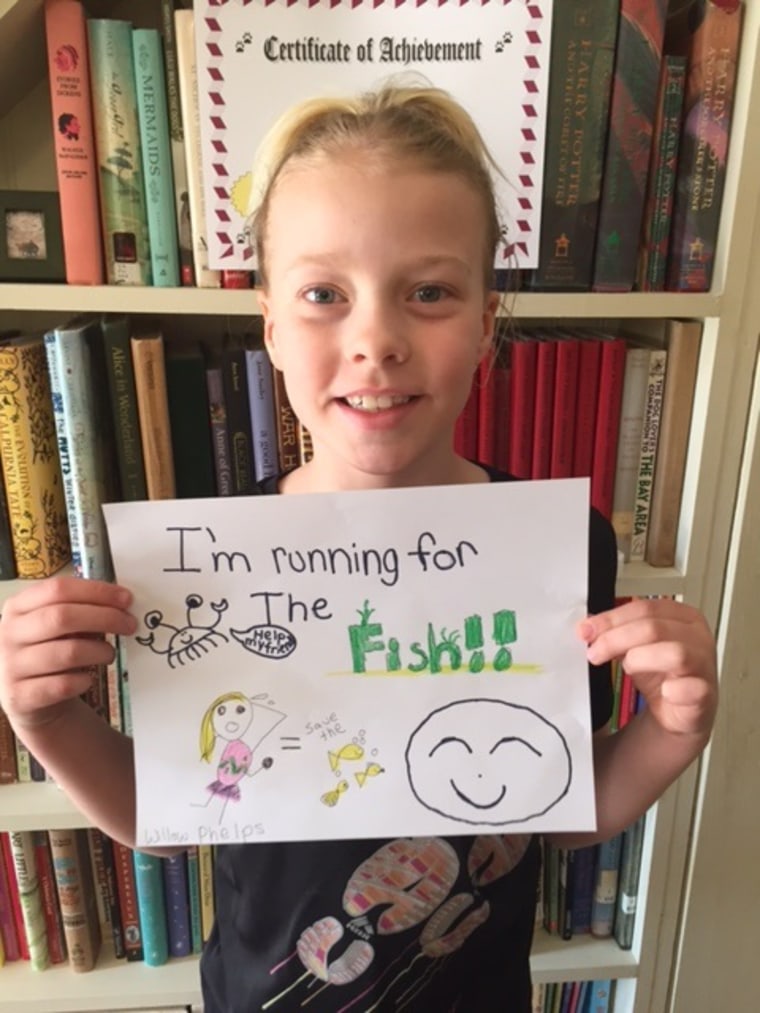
290	741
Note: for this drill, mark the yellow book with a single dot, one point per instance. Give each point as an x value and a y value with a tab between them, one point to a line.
206	877
30	462
153	413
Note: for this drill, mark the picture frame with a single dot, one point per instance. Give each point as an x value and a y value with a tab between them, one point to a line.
31	243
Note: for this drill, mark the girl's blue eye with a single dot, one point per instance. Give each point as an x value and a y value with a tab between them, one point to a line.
429	293
321	294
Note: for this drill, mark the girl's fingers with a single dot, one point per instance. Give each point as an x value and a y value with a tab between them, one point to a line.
36	696
71	590
54	657
51	622
639	610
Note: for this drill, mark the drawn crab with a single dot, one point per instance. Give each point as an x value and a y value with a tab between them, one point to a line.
189	642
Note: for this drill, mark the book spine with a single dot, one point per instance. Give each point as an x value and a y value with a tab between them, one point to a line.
187	70
606	887
650	432
153	119
261	402
192	450
677	401
486	380
635	382
543	412
287	425
56	399
151	909
103	859
177	905
580	77
565	409
632	111
31	469
76	895
8	933
23	762
75	161
127	893
206	881
220	440
177	135
123	398
235	379
56	940
194	898
522	396
27	882
153	414
658	207
14	898
708	107
124	219
8	569
586	406
584	872
305	444
628	887
8	770
611	373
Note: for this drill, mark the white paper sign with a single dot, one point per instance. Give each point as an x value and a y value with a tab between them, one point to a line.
256	58
400	662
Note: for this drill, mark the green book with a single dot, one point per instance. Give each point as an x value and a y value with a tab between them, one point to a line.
119	154
121	388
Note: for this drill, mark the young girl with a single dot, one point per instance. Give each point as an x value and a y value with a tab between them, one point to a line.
376	232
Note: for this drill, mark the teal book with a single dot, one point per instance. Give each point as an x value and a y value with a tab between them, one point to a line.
123	210
149	885
153	117
83	427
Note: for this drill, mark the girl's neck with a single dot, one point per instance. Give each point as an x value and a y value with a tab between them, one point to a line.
313	478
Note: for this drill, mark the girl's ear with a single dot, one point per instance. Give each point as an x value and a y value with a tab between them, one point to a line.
269	338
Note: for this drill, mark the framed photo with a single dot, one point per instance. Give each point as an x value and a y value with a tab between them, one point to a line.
31	247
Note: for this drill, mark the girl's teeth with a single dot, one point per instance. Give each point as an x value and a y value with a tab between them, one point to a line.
370	403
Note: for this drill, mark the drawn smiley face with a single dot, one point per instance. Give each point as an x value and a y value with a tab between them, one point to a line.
488	761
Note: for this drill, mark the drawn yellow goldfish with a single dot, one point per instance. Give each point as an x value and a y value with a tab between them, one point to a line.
331	797
351	751
371	770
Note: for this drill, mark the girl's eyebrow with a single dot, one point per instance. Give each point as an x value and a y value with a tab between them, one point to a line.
331	259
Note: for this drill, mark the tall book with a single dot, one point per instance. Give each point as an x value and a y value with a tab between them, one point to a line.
220	437
606	430
635	381
633	105
711	39
287	425
149	885
124	218
51	910
12	902
128	905
522	396
543	409
76	895
580	79
27	881
235	379
29	453
650	434
7	560
661	181
262	408
177	135
192	451
589	361
76	166
177	902
153	120
120	377
8	934
85	438
187	69
628	886
149	368
606	886
682	340
104	873
8	771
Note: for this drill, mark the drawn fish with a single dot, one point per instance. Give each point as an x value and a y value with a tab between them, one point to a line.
348	752
371	770
331	797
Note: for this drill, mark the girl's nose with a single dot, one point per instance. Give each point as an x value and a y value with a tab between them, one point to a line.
377	334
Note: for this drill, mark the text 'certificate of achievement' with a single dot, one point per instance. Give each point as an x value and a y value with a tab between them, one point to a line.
359	664
257	58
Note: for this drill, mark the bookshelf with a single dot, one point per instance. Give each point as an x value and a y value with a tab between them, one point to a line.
647	975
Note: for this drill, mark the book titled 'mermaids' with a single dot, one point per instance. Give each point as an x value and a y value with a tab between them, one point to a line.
117	142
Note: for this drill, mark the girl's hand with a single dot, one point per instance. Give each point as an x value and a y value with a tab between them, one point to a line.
51	633
668	650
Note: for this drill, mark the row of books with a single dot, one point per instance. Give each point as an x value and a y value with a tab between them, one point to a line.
641	94
614	406
573	996
68	895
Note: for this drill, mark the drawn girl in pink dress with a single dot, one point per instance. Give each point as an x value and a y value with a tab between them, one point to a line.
231	717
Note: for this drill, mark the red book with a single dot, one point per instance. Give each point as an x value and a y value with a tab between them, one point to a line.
8	771
466	428
49	897
502	381
543	409
611	372
236	279
565	397
76	166
15	900
522	397
590	354
130	916
8	931
485	378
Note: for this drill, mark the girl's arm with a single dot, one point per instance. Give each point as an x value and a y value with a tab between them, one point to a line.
668	650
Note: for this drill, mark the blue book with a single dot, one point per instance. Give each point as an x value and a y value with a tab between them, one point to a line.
176	897
605	886
600	994
263	418
149	885
583	893
153	118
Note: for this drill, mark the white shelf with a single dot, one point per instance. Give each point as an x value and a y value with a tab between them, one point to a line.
244	302
37	806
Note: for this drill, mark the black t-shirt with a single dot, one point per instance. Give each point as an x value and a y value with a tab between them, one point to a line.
425	925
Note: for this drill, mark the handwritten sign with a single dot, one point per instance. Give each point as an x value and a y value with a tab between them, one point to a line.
257	58
361	664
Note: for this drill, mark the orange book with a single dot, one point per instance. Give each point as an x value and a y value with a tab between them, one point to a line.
69	73
153	413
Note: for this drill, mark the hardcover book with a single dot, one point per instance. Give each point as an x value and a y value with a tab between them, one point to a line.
68	65
192	451
51	910
235	379
712	43
287	425
176	899
27	882
123	396
641	29
220	437
149	886
635	382
650	432
8	933
261	402
153	414
124	219
29	453
7	560
76	895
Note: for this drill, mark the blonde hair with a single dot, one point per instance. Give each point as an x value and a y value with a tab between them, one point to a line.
421	125
208	735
